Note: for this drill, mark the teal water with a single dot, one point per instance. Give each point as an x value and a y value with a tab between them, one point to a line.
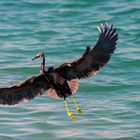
62	29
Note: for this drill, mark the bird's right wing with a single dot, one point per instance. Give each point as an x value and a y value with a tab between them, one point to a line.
24	91
94	58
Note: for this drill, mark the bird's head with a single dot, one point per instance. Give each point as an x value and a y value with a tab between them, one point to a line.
39	55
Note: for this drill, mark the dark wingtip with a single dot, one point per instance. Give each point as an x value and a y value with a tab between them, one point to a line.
107	39
104	28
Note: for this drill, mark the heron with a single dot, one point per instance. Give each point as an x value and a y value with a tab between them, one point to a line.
62	81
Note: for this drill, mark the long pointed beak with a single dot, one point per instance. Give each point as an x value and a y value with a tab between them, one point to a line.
35	58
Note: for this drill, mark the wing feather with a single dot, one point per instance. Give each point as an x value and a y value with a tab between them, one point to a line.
27	90
94	58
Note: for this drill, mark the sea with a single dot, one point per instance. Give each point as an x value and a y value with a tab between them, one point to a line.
62	29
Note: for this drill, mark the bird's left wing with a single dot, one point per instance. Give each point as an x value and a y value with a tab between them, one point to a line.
93	58
24	91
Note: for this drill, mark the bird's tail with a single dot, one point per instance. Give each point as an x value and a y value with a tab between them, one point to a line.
73	84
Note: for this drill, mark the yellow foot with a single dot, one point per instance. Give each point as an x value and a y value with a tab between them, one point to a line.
71	116
79	110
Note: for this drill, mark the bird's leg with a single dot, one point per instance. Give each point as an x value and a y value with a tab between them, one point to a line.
77	106
68	112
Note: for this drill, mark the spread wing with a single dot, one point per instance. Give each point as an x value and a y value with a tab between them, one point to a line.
94	58
24	91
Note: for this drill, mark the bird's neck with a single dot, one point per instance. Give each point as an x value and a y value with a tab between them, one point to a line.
43	65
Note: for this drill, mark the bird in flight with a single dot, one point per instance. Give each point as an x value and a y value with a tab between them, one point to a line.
62	81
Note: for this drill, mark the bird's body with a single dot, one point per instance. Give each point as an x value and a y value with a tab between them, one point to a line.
61	82
59	85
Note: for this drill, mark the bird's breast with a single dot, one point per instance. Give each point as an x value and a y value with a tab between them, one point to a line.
58	79
54	76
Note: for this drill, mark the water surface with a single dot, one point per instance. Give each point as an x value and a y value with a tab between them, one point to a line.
62	29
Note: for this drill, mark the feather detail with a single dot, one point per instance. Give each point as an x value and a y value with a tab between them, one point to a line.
73	84
52	93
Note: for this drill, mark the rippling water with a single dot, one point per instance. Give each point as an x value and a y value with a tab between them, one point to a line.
62	30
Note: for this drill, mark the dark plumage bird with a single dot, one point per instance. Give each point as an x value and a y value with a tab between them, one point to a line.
61	82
